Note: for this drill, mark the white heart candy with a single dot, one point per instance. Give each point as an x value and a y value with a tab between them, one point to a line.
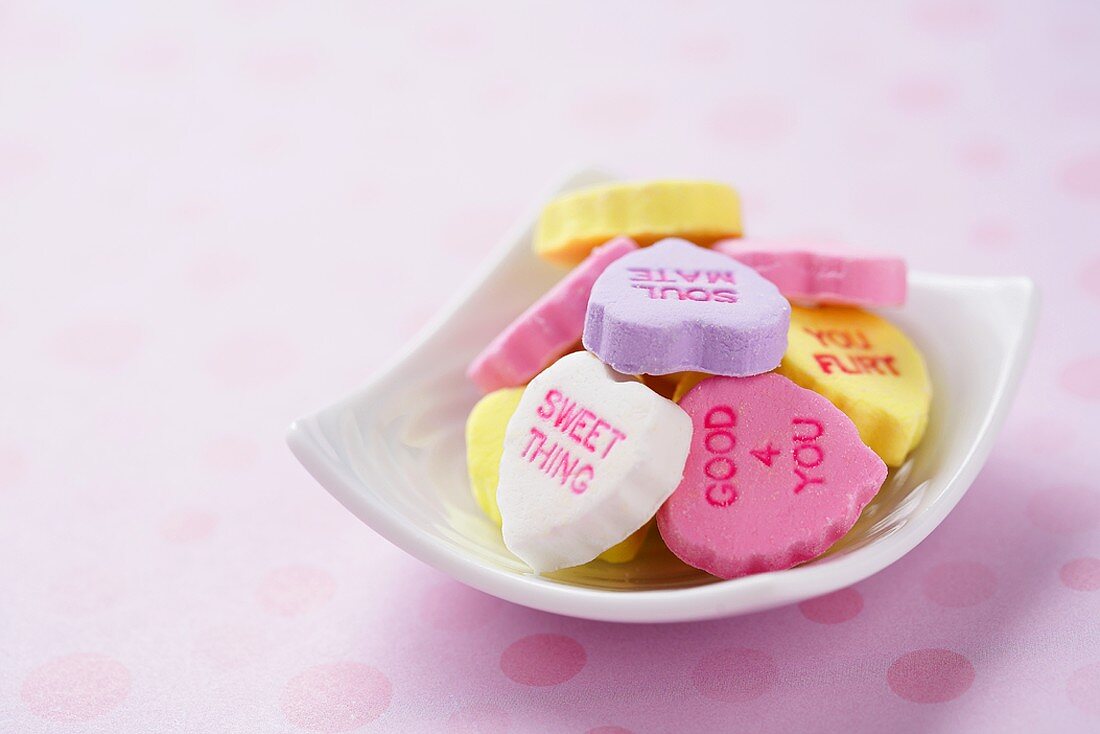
589	457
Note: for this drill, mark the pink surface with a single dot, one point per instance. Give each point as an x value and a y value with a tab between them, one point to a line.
209	213
824	273
775	475
548	328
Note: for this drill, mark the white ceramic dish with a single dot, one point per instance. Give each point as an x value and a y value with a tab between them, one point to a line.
393	453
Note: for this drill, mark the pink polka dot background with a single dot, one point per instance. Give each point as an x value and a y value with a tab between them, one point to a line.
543	660
216	217
834	608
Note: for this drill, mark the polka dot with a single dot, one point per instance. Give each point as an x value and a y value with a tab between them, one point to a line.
1082	378
252	359
453	607
992	236
294	590
543	660
959	584
216	272
755	120
479	718
336	697
229	647
230	454
609	730
834	608
13	467
1065	509
76	687
930	676
611	112
1090	278
188	526
918	96
981	156
735	675
952	16
1081	574
1081	177
1083	689
97	345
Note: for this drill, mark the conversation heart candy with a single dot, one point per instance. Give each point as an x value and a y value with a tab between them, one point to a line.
572	224
485	443
831	274
868	368
485	428
674	307
589	456
776	474
548	328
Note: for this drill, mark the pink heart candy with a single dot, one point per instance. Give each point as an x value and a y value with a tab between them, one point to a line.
548	328
775	475
824	273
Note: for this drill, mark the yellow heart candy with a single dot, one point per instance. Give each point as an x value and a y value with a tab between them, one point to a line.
485	445
485	427
627	550
866	367
700	211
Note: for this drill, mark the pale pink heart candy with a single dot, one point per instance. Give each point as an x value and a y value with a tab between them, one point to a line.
824	273
548	328
776	474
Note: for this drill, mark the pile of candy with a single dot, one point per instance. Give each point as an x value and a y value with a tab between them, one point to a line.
753	430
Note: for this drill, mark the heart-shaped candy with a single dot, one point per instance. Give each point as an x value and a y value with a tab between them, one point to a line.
485	429
548	328
646	211
675	306
824	273
589	456
868	368
776	474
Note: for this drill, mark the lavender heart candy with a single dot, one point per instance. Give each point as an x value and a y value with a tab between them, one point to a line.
674	306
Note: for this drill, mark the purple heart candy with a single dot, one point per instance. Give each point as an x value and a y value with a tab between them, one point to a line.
673	307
